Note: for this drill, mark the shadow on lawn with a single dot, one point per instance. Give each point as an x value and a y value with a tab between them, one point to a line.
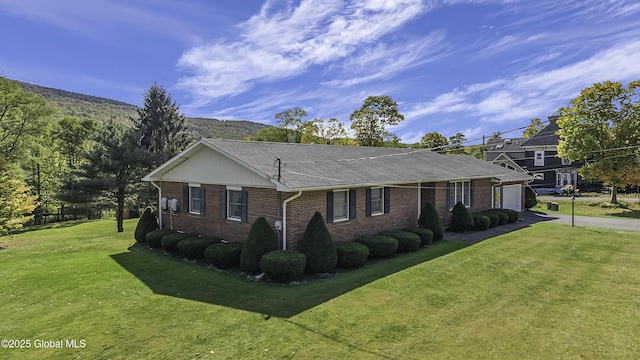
172	276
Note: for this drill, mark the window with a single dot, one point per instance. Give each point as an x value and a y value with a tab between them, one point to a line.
538	159
233	204
377	201
566	162
193	199
341	205
459	191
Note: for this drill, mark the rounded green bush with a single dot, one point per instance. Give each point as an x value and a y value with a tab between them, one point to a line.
430	219
407	241
261	240
426	235
461	220
170	241
351	254
379	245
154	238
193	248
283	265
224	255
495	219
146	224
318	246
481	221
503	218
512	214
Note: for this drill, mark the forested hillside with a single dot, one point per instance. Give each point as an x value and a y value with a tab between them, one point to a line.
86	106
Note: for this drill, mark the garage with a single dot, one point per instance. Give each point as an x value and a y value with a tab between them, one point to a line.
512	197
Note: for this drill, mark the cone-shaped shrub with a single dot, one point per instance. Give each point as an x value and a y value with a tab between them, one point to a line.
283	266
351	254
146	224
318	246
154	238
430	219
223	255
426	235
261	240
461	220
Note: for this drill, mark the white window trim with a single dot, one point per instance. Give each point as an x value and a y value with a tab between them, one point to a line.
455	193
236	189
536	161
191	207
566	162
346	218
381	212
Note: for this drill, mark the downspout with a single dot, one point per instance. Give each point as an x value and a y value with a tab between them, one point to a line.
159	204
284	218
419	199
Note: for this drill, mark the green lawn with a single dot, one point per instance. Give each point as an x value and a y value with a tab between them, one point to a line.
548	291
602	208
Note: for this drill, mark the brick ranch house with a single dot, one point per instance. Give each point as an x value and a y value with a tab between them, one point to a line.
220	187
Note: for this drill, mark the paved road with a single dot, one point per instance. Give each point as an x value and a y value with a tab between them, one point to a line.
529	217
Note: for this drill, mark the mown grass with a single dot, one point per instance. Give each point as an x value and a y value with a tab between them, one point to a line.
601	208
548	291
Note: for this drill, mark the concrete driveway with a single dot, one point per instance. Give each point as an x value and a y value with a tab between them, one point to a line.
528	218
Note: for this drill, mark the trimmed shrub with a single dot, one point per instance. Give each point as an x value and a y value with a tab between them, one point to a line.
351	254
407	241
513	215
530	198
495	219
223	255
283	266
426	235
193	248
503	218
154	238
461	220
379	245
430	219
146	224
481	221
261	240
318	246
170	241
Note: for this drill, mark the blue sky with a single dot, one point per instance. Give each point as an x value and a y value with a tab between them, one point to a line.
470	66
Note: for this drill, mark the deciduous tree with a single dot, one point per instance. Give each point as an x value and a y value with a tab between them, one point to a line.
602	127
456	144
17	202
370	122
434	141
292	121
534	127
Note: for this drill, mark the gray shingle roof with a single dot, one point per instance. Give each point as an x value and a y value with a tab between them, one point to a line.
322	166
509	144
546	136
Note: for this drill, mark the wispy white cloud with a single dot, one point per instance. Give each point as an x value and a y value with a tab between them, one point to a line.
531	94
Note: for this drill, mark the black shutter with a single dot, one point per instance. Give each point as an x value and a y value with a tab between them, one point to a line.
202	202
449	204
368	201
387	200
352	204
329	206
223	204
471	193
185	198
243	201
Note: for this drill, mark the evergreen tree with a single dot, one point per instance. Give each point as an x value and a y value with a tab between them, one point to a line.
461	219
261	240
146	224
318	246
430	219
161	127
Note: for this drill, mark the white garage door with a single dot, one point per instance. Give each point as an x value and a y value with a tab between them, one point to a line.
512	197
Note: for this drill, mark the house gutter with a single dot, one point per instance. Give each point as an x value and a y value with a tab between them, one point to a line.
159	204
284	218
